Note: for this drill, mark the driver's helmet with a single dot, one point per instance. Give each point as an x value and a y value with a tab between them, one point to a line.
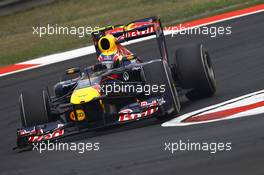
108	51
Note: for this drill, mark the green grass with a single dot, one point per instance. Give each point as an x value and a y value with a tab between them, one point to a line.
17	43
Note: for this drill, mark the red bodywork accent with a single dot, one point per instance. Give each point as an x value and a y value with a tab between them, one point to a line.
224	113
38	138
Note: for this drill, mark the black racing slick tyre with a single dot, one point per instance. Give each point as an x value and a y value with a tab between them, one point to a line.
34	108
158	73
195	71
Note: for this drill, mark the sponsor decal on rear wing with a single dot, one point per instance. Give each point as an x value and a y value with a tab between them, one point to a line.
134	30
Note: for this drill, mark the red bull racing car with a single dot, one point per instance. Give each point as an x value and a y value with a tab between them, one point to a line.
121	87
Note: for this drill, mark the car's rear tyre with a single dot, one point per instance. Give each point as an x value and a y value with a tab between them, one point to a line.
34	108
158	73
195	71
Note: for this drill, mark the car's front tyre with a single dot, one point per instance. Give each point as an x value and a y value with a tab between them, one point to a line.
34	108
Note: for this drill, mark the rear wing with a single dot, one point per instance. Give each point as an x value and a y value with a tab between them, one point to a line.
134	30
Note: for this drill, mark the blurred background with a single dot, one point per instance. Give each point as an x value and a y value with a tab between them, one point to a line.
18	17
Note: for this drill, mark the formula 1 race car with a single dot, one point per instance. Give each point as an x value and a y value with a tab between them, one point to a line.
121	87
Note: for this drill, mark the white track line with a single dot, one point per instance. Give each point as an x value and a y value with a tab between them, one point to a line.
236	102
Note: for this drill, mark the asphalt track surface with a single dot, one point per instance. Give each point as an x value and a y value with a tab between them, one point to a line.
138	148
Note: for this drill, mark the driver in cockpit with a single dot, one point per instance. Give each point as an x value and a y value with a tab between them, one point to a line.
113	54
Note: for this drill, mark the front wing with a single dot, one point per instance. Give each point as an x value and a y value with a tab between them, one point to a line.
57	130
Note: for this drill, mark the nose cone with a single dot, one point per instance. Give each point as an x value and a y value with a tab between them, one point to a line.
84	95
